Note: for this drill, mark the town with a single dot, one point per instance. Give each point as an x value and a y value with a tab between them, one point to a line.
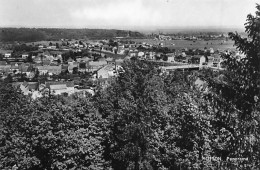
77	66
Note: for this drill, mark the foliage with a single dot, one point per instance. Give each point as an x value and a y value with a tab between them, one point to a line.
132	106
41	34
50	133
24	47
235	97
154	121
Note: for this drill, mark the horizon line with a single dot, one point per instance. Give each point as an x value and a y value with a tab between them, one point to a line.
129	27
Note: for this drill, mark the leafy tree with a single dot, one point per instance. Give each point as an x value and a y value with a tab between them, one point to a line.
29	58
75	70
57	45
132	105
67	55
9	78
13	109
50	133
235	97
164	57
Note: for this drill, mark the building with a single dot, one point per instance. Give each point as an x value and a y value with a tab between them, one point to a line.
25	55
7	55
95	65
72	65
5	68
203	62
49	69
110	60
59	88
106	71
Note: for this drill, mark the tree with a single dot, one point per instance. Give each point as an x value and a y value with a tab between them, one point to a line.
132	106
165	57
58	61
29	58
57	45
9	78
67	55
12	115
235	96
50	133
75	70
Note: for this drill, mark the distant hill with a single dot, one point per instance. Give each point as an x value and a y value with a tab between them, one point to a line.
41	34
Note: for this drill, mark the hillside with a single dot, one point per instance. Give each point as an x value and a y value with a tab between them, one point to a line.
40	34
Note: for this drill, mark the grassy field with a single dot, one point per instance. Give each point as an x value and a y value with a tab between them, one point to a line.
199	44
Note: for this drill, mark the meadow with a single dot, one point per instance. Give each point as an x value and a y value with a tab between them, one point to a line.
198	44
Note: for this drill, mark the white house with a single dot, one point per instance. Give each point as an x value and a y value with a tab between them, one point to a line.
58	88
140	54
203	62
24	56
7	55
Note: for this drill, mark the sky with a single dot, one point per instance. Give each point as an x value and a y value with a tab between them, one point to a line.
125	14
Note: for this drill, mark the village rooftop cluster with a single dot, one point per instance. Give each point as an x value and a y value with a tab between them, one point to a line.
79	66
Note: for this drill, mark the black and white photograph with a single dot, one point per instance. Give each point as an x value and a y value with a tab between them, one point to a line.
129	85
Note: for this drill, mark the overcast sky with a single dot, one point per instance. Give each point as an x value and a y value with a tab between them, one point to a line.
122	14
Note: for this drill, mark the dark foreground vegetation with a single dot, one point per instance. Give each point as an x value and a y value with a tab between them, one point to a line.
144	120
51	34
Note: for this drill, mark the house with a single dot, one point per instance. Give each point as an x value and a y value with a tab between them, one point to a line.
140	54
51	47
115	50
25	55
105	72
40	46
70	61
121	49
56	56
72	65
104	82
106	47
84	92
14	68
110	60
95	65
83	59
152	55
133	53
7	55
31	88
170	57
203	62
211	50
49	69
5	68
48	56
59	88
119	61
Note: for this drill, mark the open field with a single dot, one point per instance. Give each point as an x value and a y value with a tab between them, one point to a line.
198	44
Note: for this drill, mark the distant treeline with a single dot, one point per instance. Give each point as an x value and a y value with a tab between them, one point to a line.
50	34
